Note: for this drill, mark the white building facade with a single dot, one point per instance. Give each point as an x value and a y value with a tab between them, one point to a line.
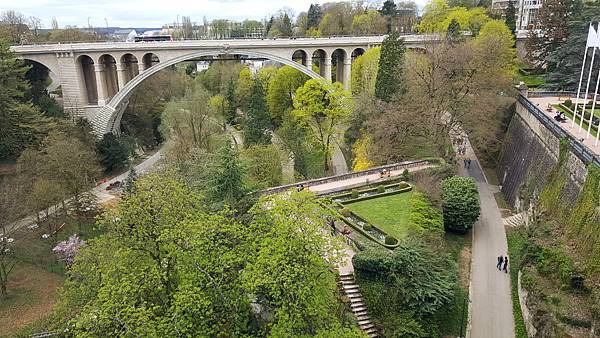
527	12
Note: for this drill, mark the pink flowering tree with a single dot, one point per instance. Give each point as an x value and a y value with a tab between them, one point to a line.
67	250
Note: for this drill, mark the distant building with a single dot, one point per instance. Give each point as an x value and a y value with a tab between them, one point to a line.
202	65
404	20
527	12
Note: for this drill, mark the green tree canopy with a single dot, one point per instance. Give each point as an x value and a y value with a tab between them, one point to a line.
282	87
391	63
460	203
257	124
23	125
324	108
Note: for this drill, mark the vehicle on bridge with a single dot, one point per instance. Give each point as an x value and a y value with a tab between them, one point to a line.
150	38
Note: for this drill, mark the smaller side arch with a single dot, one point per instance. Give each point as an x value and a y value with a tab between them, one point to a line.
300	56
87	70
149	60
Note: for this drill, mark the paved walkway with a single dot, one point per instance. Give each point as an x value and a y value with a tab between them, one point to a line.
359	181
581	134
491	308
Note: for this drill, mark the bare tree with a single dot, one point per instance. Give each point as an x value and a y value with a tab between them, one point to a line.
54	23
34	25
16	24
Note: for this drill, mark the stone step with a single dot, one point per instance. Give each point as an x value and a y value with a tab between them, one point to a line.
366	326
361	313
361	308
352	292
350	287
364	322
355	299
357	303
363	317
347	281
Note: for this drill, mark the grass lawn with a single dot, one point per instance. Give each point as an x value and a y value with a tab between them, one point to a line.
32	291
532	81
389	213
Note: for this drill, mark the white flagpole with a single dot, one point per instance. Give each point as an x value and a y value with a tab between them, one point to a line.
597	135
579	88
596	44
593	106
587	90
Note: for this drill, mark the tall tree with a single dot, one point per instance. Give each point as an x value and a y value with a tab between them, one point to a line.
113	151
391	62
568	56
232	107
258	122
511	17
23	125
315	13
226	184
454	33
16	23
388	10
280	94
551	31
286	26
324	109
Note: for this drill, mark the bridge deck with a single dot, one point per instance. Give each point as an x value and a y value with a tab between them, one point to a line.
589	140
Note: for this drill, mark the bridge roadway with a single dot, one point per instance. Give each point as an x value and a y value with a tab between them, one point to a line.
97	78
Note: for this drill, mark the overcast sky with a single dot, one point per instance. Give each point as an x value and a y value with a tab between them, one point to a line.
150	13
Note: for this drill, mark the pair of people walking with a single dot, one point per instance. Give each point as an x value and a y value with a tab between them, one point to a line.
467	162
502	263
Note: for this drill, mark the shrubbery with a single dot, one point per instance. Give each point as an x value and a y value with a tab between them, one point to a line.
414	279
380	189
390	240
425	217
460	203
345	212
367	227
354	193
403	185
405	175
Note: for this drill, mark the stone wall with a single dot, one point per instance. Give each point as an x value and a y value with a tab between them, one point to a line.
530	152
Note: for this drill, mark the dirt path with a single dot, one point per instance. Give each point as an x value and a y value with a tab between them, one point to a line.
491	307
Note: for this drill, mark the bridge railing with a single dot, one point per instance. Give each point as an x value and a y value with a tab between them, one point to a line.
579	149
254	38
341	177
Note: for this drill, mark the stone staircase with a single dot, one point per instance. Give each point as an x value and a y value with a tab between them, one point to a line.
349	288
514	220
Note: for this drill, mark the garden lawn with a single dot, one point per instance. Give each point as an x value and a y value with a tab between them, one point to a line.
389	213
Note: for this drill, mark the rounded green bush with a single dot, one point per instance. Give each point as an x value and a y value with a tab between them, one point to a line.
391	240
380	189
345	212
403	185
367	227
354	193
460	203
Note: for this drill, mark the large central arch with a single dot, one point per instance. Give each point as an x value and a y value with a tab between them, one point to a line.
109	117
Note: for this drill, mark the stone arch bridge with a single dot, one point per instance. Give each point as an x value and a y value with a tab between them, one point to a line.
98	78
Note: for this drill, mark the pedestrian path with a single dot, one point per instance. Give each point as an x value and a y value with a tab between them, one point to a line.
491	314
361	180
348	287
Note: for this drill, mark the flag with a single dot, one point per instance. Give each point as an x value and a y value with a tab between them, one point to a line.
593	39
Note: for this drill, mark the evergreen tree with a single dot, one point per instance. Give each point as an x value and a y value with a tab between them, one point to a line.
258	120
553	31
511	20
269	25
454	34
114	154
388	10
286	26
314	16
568	57
232	107
226	184
21	124
389	74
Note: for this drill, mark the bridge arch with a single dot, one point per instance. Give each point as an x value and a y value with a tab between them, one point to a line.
87	70
109	117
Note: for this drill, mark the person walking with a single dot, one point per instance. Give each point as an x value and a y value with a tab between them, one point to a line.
499	263
505	264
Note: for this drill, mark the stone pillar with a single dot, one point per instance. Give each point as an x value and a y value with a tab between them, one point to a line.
100	83
121	76
326	71
347	72
141	66
309	62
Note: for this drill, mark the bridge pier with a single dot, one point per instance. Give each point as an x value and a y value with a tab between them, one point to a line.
100	83
347	71
326	71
